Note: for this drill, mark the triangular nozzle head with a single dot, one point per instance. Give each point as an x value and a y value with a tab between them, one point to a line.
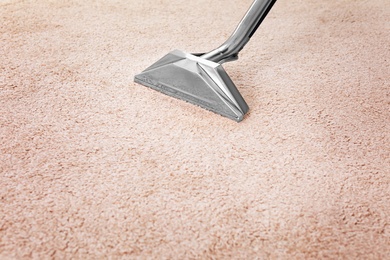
195	80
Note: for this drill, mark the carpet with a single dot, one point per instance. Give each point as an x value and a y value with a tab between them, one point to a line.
94	166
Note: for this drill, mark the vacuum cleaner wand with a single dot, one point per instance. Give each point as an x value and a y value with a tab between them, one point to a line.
200	78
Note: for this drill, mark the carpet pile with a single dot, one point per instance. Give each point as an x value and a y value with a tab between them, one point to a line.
95	166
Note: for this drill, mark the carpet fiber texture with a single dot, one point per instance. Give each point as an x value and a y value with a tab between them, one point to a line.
95	166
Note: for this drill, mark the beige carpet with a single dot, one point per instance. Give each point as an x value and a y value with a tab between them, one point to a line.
94	166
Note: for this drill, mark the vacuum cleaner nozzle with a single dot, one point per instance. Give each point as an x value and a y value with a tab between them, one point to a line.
195	80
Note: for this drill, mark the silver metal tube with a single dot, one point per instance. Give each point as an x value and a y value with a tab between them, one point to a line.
229	50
